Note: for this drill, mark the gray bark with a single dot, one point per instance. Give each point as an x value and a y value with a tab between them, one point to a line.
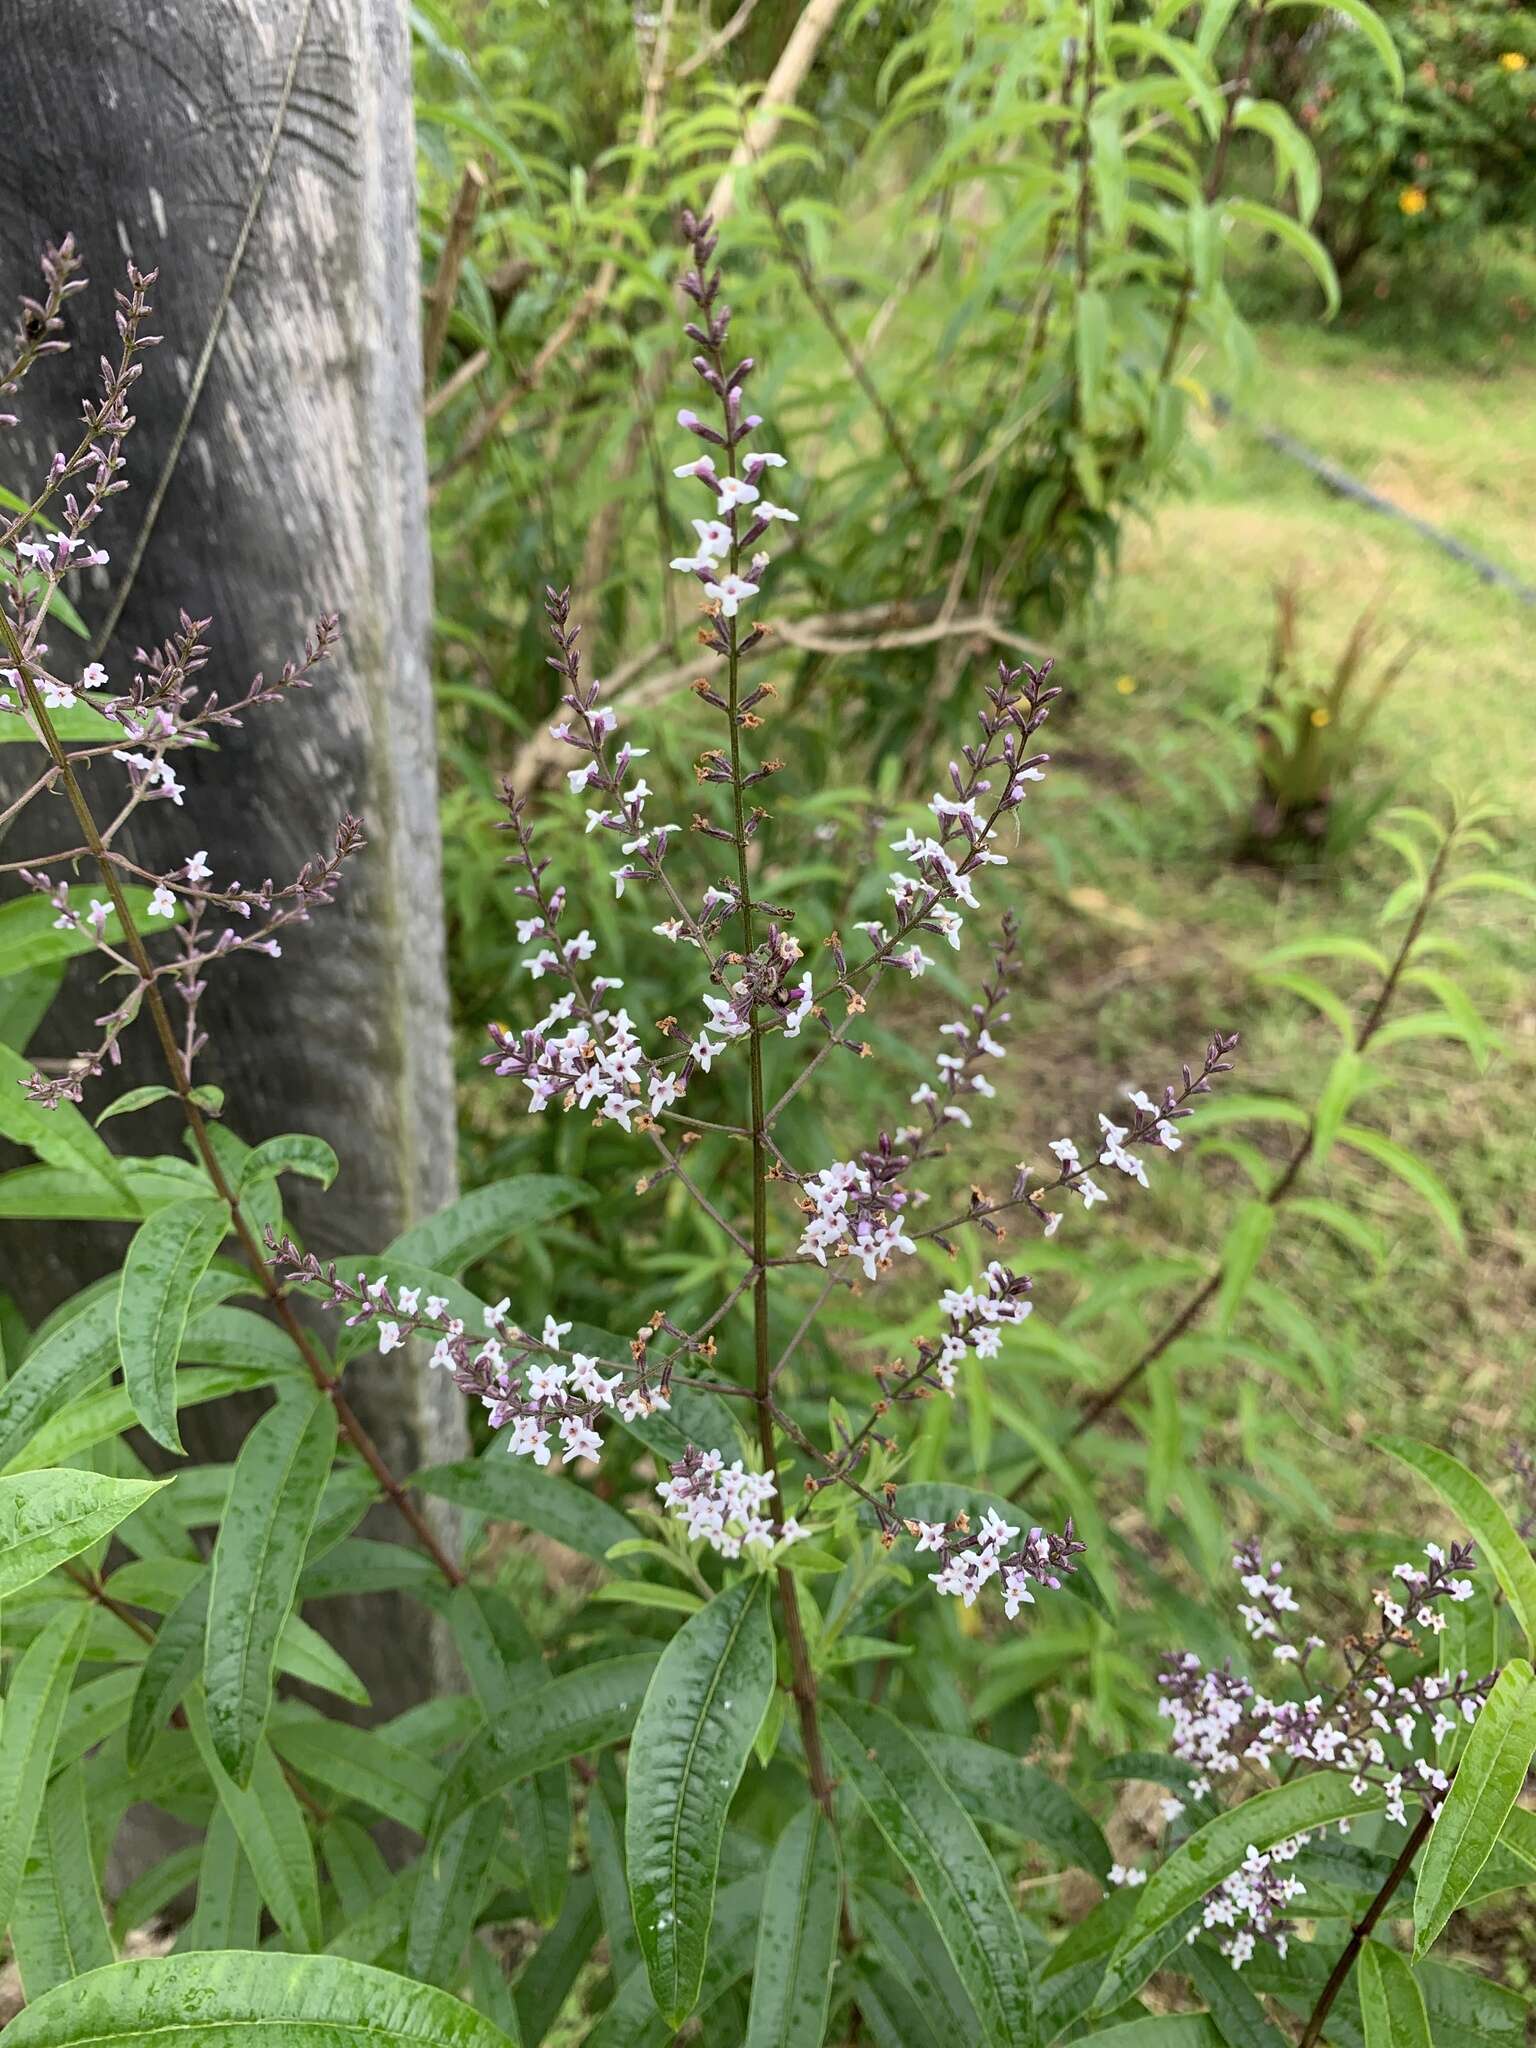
295	484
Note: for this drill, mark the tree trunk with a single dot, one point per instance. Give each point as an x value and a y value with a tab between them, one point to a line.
260	153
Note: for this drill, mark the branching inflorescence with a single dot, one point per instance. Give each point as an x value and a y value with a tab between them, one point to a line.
759	992
1355	1709
134	730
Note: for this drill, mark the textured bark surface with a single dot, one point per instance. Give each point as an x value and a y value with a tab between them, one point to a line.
293	484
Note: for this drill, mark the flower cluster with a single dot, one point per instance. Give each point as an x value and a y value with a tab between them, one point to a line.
1385	1733
133	728
853	1209
969	1559
1152	1127
535	1384
722	1505
988	783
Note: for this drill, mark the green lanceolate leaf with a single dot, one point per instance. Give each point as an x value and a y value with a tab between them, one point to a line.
1214	1852
692	1740
168	1256
174	1660
1487	1523
502	1661
1391	2003
34	1709
797	1937
479	1222
273	1499
47	1518
1239	2017
1166	2030
296	1153
997	1790
70	1359
508	1491
228	1910
250	2000
58	1924
939	1844
1486	1785
581	1710
447	1895
269	1825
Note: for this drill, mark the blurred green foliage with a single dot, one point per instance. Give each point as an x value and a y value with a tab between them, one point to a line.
1412	176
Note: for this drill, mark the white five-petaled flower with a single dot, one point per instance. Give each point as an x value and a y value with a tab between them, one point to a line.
767	511
735	490
729	592
162	903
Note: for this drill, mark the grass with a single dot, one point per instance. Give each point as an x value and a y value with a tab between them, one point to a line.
1436	1342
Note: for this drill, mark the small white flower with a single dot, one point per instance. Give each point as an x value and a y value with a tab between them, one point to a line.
729	593
162	903
390	1338
734	490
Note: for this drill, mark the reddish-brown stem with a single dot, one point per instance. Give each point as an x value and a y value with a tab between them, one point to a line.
1360	1934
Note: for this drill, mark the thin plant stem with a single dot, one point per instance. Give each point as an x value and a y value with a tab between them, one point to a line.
1361	1933
1191	1311
328	1383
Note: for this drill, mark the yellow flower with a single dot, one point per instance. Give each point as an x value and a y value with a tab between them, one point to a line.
1322	716
1126	685
1412	199
1513	60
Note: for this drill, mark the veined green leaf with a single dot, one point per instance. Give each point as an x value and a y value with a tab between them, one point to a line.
692	1740
174	1659
257	1556
60	1365
1000	1790
1296	238
47	1518
447	1895
797	1939
580	1710
34	1710
1237	2015
1215	1850
169	1255
362	1765
269	1823
237	2000
939	1845
228	1910
1165	2030
1412	1172
1391	2003
58	1924
1486	1785
1244	1246
294	1153
511	1490
478	1222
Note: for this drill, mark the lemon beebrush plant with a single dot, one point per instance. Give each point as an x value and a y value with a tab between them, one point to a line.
781	1845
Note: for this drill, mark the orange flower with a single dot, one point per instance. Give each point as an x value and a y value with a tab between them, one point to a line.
1412	199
